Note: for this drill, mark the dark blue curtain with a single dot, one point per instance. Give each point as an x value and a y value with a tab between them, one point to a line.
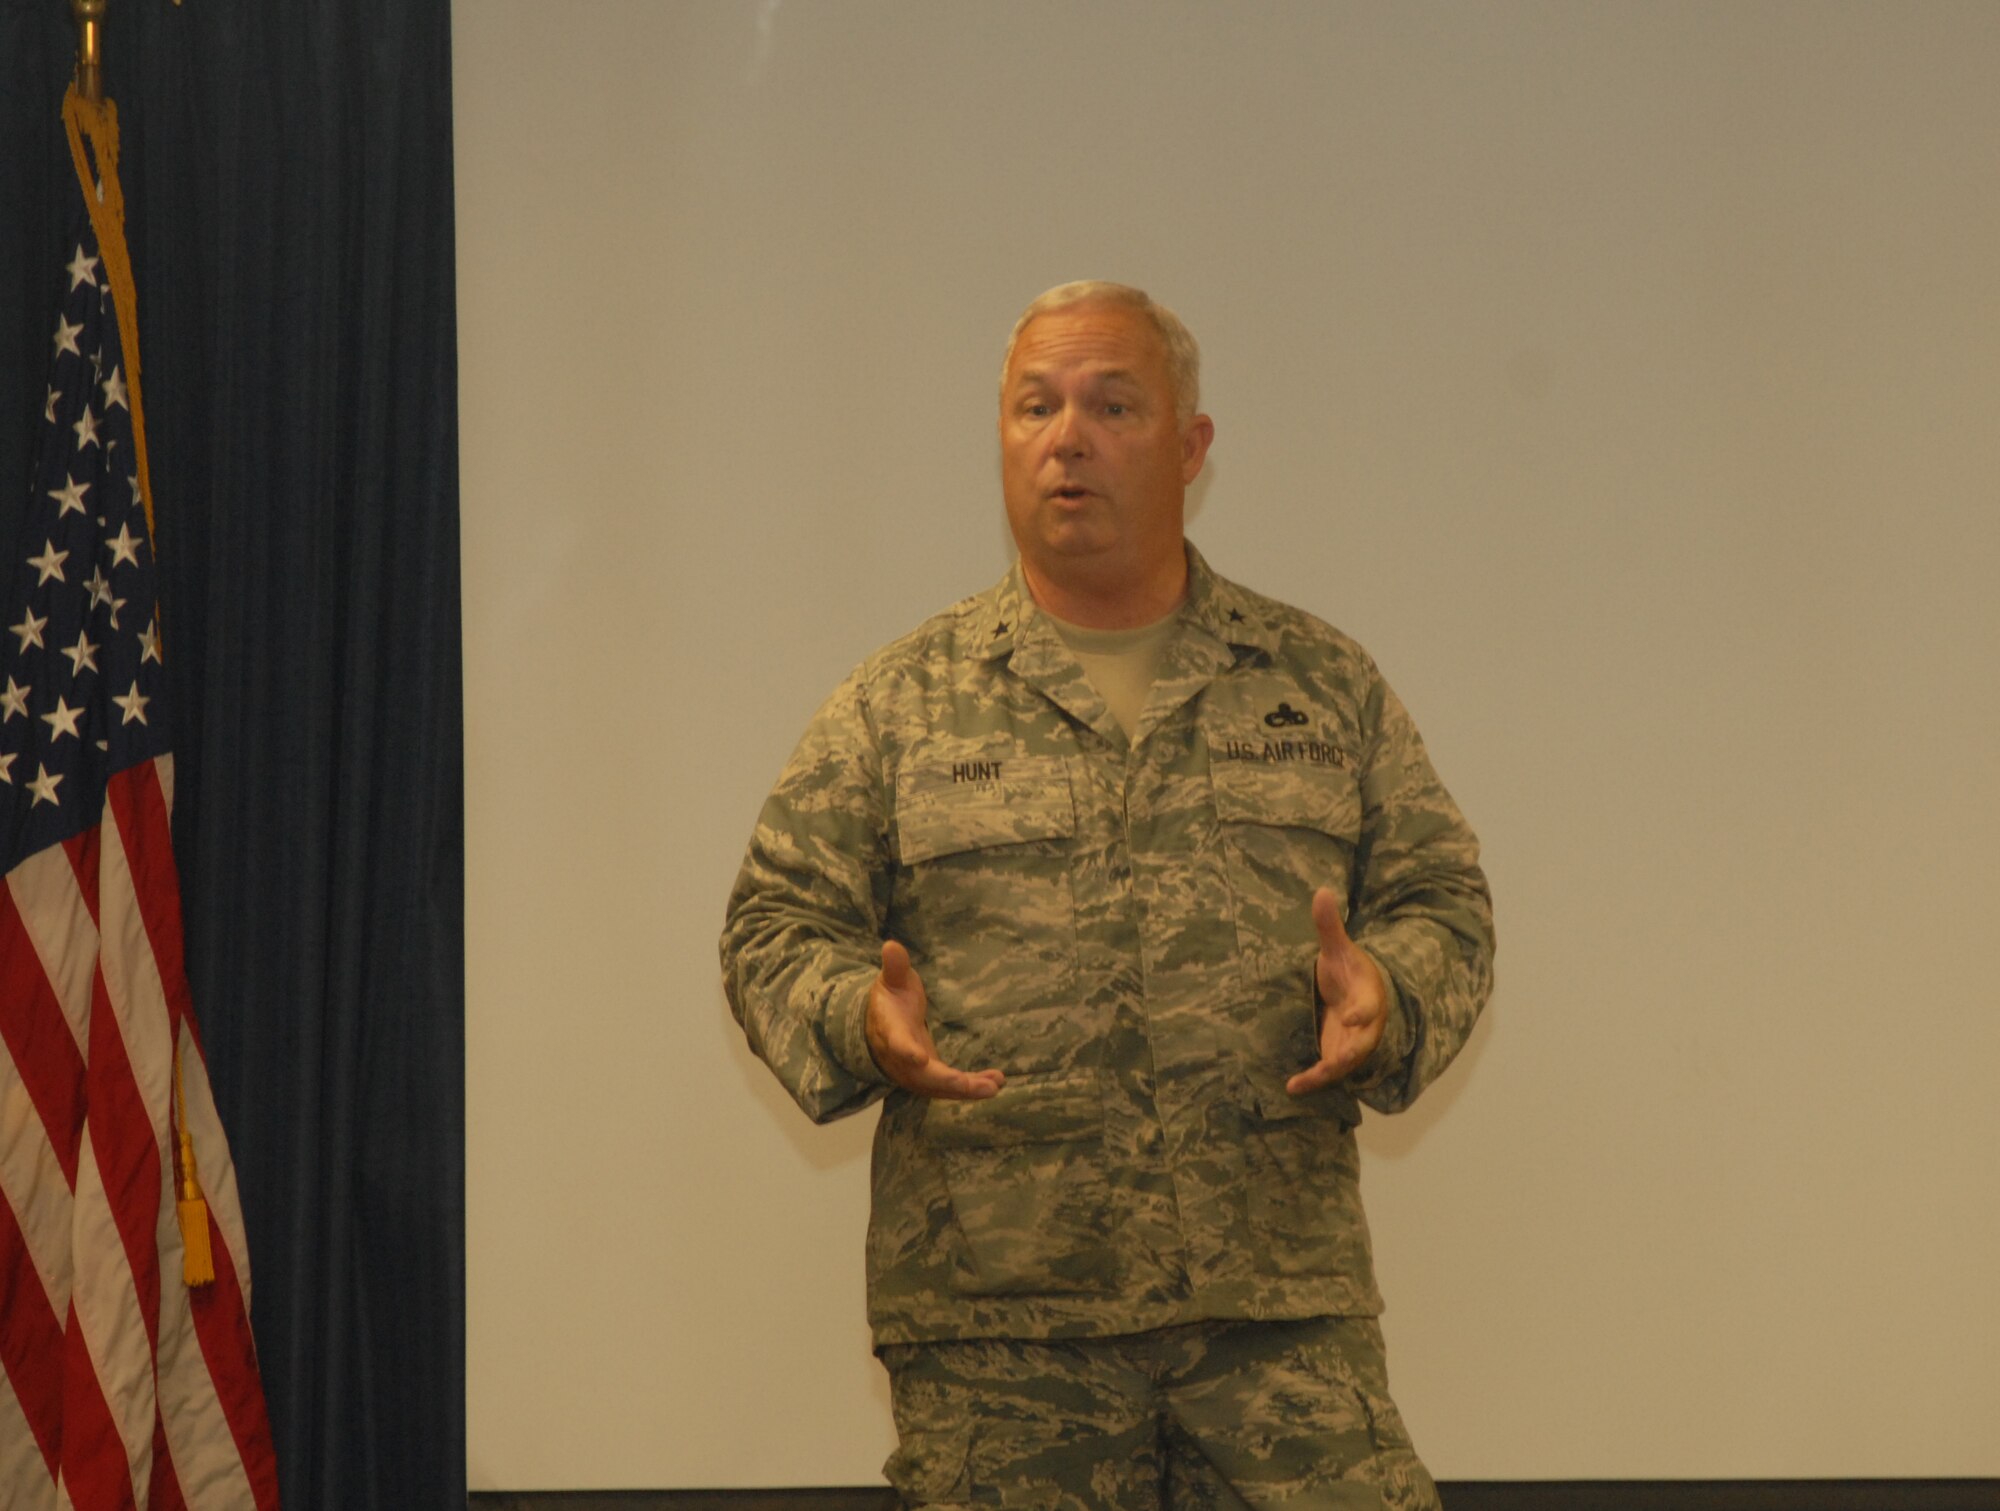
288	180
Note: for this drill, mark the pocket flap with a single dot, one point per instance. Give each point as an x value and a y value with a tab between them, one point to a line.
1065	1108
1292	795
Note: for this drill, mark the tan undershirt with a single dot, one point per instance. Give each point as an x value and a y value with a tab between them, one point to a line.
1121	664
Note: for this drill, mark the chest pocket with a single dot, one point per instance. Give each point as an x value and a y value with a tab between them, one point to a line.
955	807
983	898
1287	828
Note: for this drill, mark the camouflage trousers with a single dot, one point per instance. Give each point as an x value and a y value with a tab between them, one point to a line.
1212	1414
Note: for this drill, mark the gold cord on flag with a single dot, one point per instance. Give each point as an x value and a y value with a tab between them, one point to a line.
97	122
94	122
197	1259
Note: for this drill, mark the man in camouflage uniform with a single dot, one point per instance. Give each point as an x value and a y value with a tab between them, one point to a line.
1166	862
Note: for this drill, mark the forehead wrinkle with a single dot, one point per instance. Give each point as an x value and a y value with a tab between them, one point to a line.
1099	375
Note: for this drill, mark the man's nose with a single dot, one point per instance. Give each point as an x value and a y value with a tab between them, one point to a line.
1068	435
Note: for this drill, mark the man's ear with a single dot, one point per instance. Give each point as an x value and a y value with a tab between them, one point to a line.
1195	441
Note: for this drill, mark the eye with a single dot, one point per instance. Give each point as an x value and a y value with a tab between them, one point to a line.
1115	408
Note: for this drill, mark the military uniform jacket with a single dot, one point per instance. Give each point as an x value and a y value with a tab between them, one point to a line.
1124	928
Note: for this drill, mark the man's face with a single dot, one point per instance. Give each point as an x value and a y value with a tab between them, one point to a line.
1094	465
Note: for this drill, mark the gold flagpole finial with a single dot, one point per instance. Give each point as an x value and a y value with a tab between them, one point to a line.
89	48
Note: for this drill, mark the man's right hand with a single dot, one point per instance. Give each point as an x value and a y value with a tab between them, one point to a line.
899	1036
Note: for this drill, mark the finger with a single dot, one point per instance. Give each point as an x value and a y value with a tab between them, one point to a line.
950	1085
895	965
931	1077
1316	1078
904	1050
1337	1065
1326	919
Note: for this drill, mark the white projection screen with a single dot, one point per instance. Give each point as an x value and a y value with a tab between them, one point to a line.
1624	376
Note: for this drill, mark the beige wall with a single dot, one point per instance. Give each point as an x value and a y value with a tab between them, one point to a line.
1624	376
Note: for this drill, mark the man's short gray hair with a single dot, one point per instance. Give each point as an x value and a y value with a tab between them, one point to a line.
1183	355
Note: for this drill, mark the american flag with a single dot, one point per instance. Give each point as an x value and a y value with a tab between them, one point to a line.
125	1385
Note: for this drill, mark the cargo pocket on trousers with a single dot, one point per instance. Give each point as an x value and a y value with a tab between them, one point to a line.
1028	1187
1303	1199
1357	1364
929	1466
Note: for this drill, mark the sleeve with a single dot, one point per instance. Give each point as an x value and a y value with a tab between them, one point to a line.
801	944
1420	907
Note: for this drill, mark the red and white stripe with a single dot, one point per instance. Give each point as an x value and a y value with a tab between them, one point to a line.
122	1387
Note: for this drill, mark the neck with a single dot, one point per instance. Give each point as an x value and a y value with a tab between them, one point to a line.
1114	605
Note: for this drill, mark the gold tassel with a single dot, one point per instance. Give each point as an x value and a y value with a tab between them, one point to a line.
197	1259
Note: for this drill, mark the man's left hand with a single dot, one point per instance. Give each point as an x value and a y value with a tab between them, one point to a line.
1353	1001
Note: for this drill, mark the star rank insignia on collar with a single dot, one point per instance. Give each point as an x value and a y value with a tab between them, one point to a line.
999	629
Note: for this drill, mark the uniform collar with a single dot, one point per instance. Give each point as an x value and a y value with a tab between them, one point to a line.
1233	616
994	626
1005	617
